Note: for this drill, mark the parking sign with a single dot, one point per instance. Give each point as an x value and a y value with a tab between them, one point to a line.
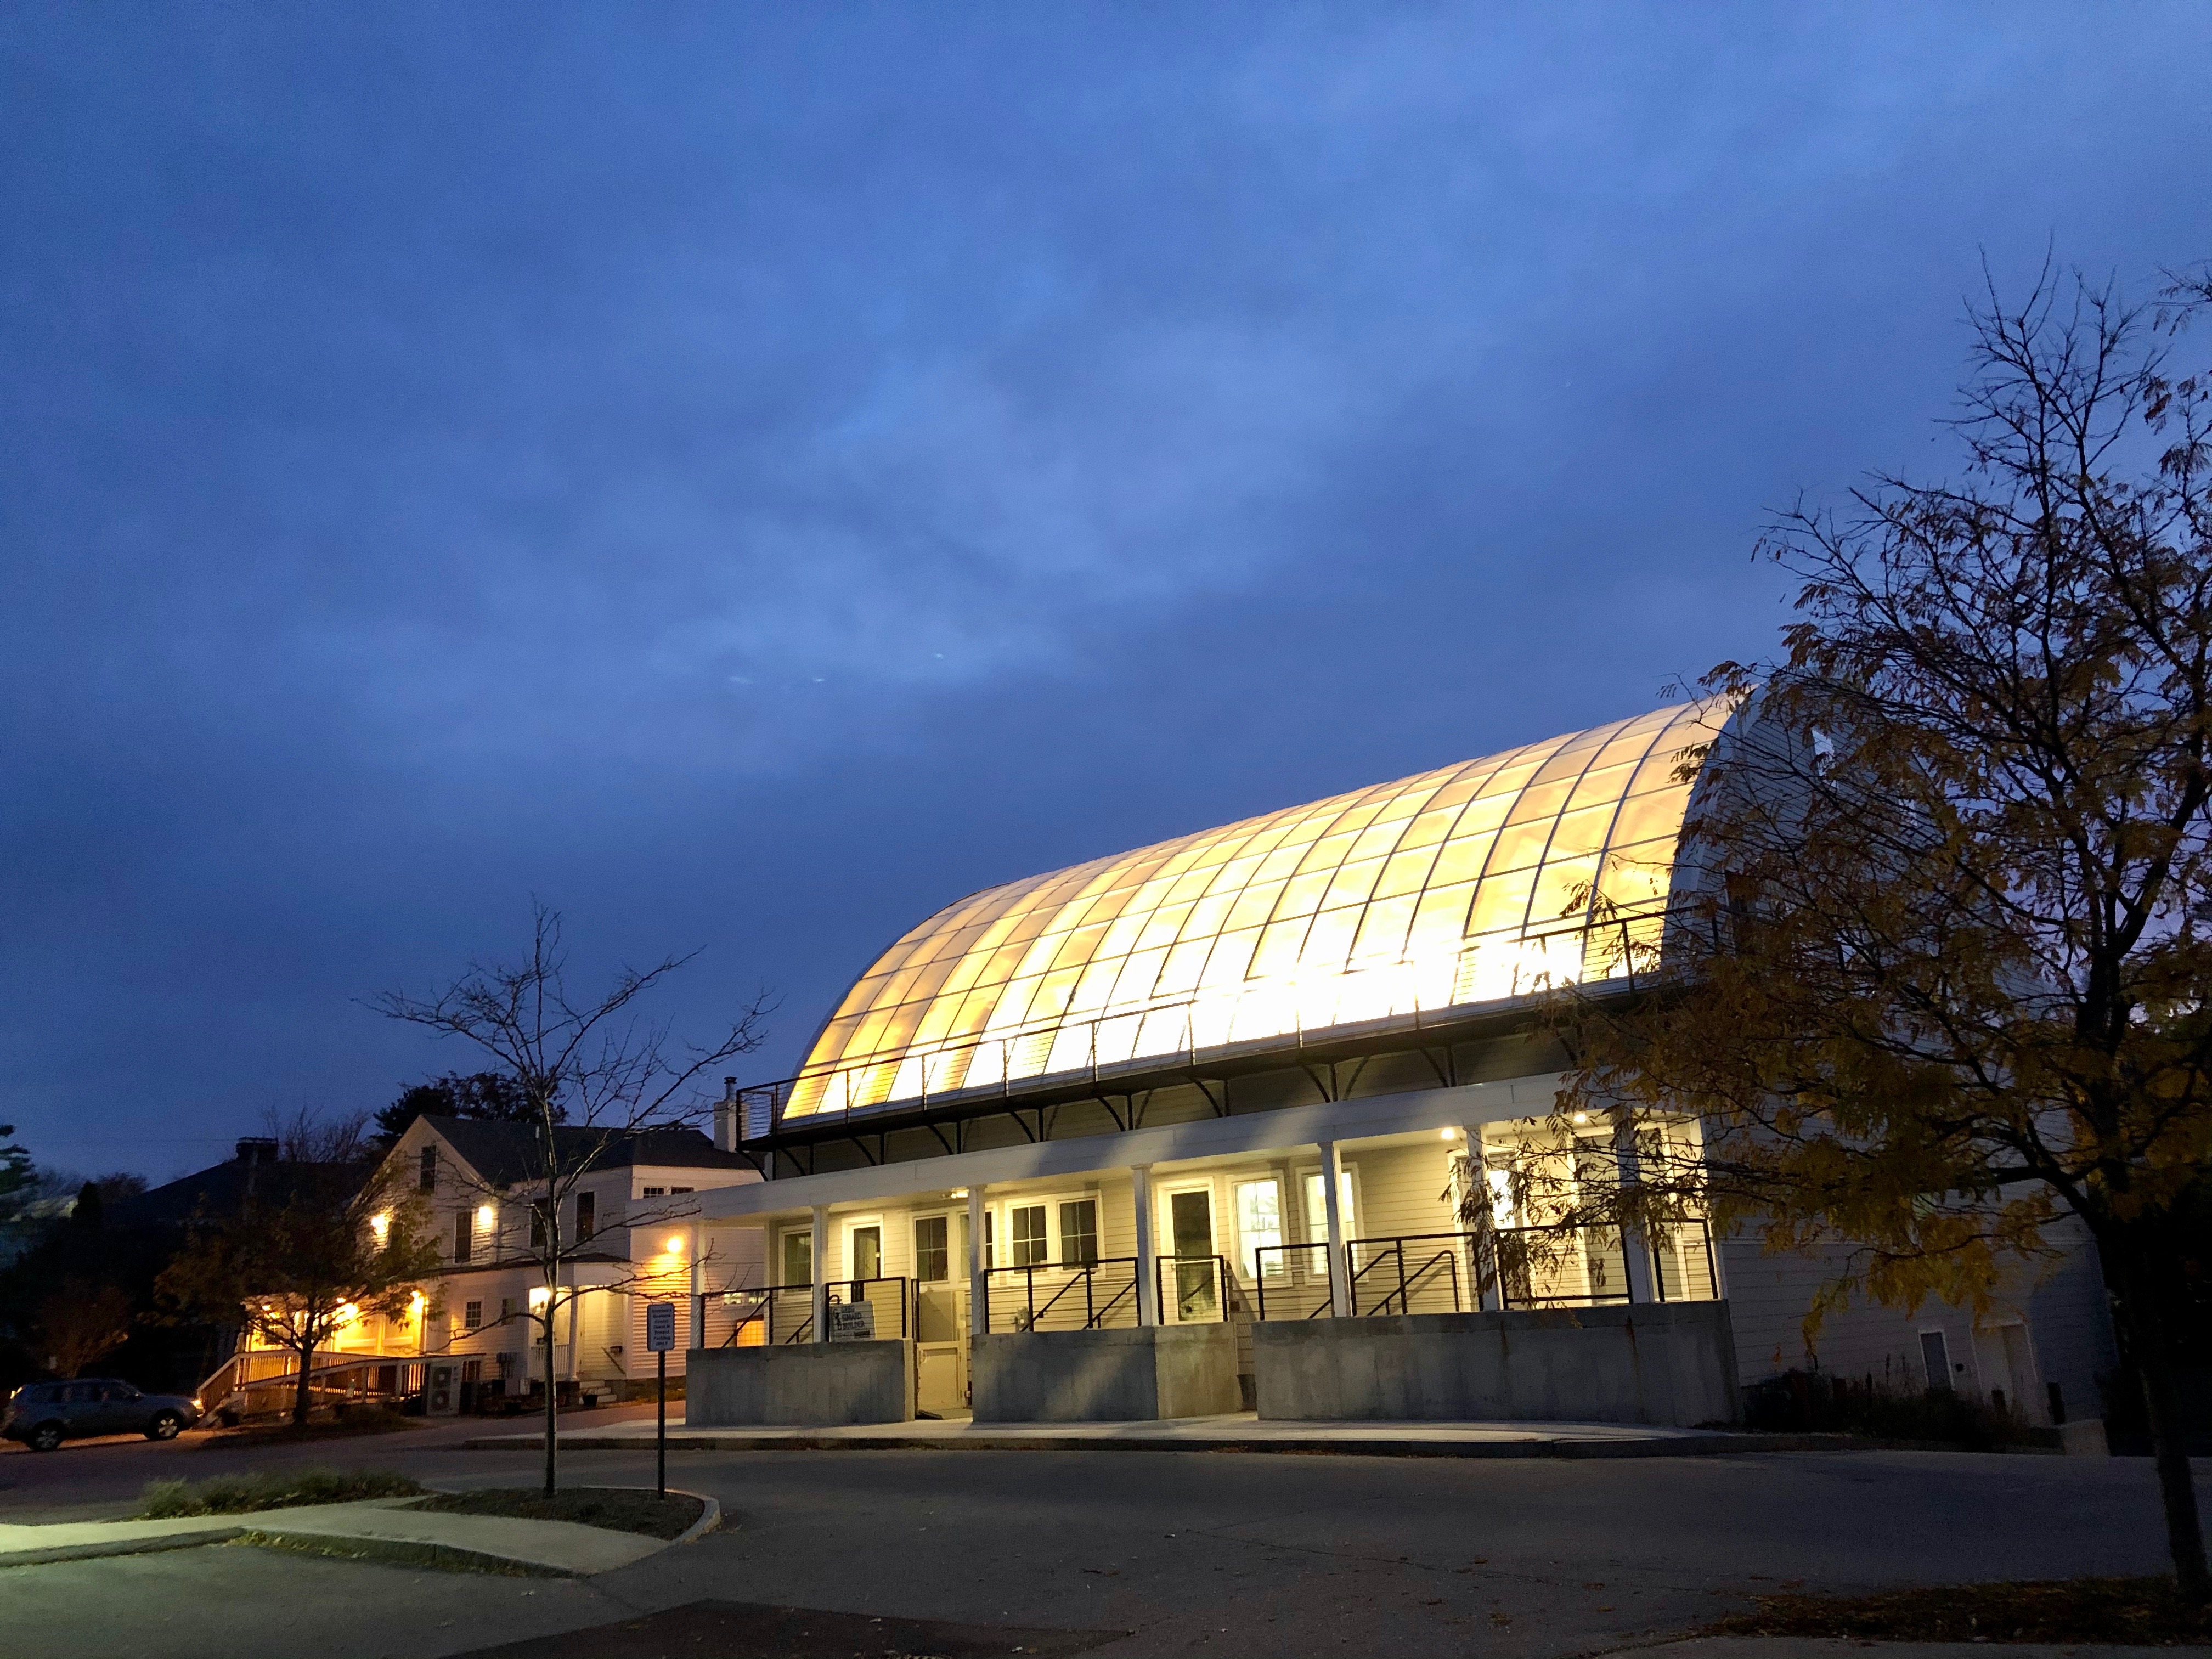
659	1327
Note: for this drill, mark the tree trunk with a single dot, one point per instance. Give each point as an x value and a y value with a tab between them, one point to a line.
552	1414
2140	1320
307	1364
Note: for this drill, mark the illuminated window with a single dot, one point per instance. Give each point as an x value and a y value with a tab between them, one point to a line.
1317	1207
654	1192
799	1258
1259	1226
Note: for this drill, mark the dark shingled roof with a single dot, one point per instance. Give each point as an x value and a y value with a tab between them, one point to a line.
218	1192
501	1153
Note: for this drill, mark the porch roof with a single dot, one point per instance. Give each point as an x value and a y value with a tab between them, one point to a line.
1364	1118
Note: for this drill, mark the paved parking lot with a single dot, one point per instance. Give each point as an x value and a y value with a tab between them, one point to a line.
1191	1552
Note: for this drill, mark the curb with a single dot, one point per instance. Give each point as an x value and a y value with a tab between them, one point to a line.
710	1517
1308	1446
94	1552
401	1553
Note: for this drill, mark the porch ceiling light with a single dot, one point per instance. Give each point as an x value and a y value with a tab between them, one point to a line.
1447	1135
675	1243
1468	883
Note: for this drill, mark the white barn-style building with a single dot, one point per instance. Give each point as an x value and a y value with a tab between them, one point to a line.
1188	1130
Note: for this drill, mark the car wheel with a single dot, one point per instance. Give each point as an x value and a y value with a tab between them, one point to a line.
47	1436
164	1426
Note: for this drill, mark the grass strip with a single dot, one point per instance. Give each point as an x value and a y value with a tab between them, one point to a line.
2135	1611
617	1509
242	1494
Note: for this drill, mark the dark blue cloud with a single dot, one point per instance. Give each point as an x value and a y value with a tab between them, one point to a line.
750	476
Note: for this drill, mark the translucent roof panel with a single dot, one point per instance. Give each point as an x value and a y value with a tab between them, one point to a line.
1486	879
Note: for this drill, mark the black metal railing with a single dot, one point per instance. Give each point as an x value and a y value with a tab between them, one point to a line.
1195	1289
1066	1296
1560	1265
1296	1276
784	1313
1398	1273
1542	1267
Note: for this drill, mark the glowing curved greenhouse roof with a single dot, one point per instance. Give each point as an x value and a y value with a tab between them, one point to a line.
1460	885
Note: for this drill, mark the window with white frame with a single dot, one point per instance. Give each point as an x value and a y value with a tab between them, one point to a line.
1317	1207
472	1316
1259	1226
1026	1224
932	1249
653	1192
1079	1233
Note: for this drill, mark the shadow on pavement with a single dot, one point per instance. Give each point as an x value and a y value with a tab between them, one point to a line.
745	1630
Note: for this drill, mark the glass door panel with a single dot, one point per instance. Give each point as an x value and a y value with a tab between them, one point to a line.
1190	1227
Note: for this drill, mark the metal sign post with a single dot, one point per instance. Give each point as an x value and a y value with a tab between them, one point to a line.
660	1338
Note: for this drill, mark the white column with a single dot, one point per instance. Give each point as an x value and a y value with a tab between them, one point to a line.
1633	1245
1148	1277
1340	1274
1478	1179
698	1290
821	1273
979	1287
575	1295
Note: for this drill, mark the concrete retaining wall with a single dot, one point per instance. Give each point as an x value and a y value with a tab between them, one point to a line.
1671	1363
1104	1376
805	1383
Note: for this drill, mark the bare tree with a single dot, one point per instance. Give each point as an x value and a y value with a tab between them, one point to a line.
593	1071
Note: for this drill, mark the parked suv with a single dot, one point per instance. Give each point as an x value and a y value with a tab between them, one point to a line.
44	1414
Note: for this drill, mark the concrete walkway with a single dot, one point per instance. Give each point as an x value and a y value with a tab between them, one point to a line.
376	1528
1241	1433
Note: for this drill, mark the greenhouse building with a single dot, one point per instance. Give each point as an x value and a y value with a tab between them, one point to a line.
1191	1130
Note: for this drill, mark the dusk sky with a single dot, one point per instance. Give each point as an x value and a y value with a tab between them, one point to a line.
748	476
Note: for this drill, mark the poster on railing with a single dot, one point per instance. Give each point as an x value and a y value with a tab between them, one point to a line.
852	1321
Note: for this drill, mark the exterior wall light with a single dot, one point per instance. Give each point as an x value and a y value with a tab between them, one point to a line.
1447	1135
539	1296
380	1224
676	1244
